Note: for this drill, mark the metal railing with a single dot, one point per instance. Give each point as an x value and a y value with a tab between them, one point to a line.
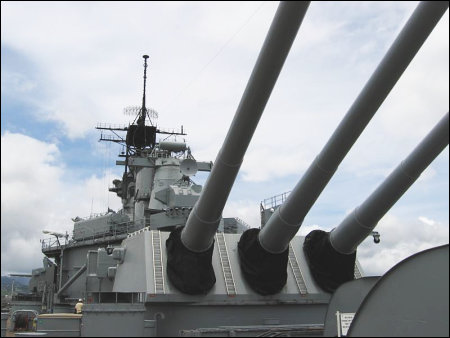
275	201
53	242
93	215
111	126
95	297
239	220
113	232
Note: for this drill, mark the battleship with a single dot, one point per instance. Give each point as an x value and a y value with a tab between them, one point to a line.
169	264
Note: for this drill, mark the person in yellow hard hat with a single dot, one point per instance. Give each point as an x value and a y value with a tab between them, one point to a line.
79	306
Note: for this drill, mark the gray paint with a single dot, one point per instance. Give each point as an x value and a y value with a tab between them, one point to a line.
205	217
347	298
73	260
106	320
232	225
144	185
104	261
167	172
25	305
130	301
256	331
59	325
169	219
346	237
287	219
172	146
204	166
97	226
4	319
72	279
138	262
172	318
411	299
30	334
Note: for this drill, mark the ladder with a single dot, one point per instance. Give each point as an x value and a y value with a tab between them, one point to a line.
357	272
296	271
158	272
225	262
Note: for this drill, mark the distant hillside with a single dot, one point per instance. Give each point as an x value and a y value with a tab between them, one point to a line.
20	284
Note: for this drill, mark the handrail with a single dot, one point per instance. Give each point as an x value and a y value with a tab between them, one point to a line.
275	201
114	231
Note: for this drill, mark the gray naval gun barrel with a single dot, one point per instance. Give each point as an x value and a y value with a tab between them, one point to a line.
268	275
331	256
346	237
189	249
287	219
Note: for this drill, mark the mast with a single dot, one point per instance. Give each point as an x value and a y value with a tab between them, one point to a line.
141	120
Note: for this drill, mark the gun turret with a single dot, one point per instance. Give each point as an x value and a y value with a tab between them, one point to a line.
273	240
331	256
190	249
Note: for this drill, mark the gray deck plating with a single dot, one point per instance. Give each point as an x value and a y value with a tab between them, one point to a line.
137	274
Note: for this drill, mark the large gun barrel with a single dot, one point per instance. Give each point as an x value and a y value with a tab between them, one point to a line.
287	219
331	256
346	237
204	219
189	250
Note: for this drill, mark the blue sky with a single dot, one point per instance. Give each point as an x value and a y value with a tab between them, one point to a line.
67	66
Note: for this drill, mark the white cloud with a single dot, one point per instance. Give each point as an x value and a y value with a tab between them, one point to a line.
39	192
400	238
29	186
87	67
248	211
426	220
306	229
97	78
17	83
418	101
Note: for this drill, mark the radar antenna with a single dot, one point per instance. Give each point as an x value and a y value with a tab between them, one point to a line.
141	120
136	110
138	135
142	112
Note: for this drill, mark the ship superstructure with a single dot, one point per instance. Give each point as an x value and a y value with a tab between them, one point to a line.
157	193
168	264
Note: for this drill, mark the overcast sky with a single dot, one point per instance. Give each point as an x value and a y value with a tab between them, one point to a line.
67	66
